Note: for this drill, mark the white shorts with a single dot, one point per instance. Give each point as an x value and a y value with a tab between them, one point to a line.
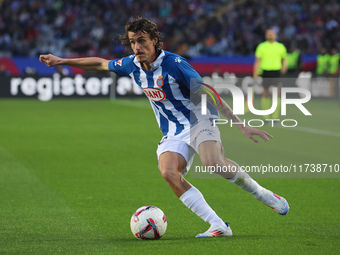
188	141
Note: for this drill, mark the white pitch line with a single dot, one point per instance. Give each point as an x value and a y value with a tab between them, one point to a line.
317	131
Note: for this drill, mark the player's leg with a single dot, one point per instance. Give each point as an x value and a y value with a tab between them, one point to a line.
265	99
271	79
172	165
211	154
276	113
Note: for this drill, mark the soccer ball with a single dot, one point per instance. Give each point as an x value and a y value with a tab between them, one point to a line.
148	222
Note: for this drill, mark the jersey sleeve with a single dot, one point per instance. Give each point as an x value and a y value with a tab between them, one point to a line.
121	66
284	51
186	75
258	51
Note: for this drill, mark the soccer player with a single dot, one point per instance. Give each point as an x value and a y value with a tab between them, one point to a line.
167	80
271	60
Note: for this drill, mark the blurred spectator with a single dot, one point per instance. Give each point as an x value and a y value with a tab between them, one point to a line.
322	61
190	27
333	70
4	71
30	71
294	62
334	61
62	71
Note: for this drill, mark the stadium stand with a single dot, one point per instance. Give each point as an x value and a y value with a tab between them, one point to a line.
191	28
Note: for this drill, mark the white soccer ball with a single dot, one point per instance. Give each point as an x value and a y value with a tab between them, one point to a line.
148	222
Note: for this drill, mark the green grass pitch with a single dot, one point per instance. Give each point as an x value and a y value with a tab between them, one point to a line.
72	172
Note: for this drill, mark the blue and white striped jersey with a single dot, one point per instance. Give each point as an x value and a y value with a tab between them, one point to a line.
168	88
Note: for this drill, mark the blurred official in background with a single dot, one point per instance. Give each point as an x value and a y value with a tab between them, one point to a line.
334	61
322	61
294	61
271	60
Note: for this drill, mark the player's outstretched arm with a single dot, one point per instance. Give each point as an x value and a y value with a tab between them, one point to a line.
284	66
90	63
256	67
228	113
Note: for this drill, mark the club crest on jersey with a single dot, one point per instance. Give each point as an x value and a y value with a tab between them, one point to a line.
119	62
159	81
154	94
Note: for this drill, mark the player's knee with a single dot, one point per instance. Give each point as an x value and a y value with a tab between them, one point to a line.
170	175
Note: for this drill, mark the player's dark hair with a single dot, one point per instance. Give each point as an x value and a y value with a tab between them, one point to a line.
139	24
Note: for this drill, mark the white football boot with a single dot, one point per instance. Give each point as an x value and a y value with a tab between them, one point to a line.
217	230
277	203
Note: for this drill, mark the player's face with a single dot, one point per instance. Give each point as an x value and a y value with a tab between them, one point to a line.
270	35
143	46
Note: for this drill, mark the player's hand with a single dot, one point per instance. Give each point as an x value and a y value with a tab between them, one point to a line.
250	132
50	60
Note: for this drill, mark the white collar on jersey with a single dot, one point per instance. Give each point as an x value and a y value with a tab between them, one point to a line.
154	64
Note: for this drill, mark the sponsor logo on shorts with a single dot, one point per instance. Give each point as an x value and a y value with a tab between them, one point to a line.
155	94
207	131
